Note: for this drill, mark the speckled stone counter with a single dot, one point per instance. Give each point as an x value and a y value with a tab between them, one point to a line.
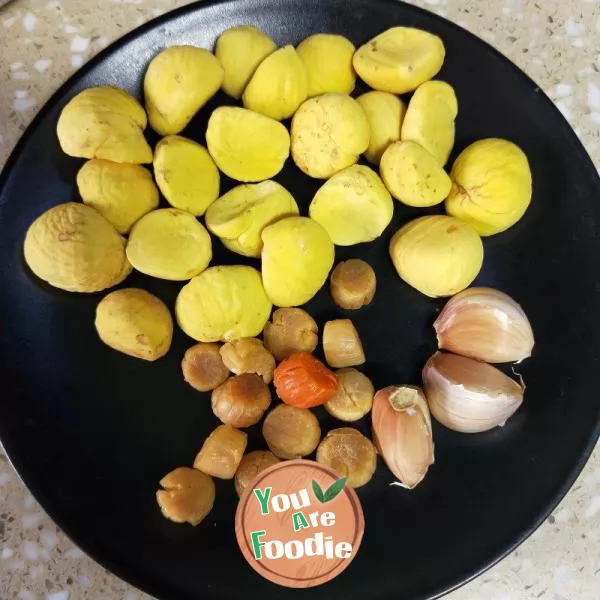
556	42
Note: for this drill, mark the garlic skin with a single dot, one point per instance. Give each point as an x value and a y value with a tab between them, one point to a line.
485	324
402	432
467	395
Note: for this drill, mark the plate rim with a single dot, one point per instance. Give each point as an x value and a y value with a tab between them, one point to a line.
154	587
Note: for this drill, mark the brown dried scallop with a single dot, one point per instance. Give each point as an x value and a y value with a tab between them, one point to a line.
203	367
242	400
354	396
350	453
341	344
353	284
221	452
188	495
291	432
290	330
248	355
252	464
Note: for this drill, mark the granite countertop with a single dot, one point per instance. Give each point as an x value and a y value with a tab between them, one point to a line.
557	42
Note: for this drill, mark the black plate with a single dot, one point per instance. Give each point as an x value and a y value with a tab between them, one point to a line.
91	431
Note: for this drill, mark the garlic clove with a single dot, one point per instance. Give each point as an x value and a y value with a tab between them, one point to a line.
485	324
467	395
402	432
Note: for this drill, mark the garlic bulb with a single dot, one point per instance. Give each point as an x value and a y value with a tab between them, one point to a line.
467	395
402	432
485	324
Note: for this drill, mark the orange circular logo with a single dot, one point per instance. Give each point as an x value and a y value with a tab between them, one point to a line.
298	524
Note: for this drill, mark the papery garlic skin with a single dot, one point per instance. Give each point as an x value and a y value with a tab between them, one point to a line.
402	432
485	324
467	395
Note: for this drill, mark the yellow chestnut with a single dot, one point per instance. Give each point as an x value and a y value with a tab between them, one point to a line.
169	244
186	174
135	322
74	248
429	119
120	192
239	216
245	145
353	206
297	256
385	113
178	83
279	85
491	187
223	303
328	61
413	175
438	255
240	50
329	132
399	59
104	122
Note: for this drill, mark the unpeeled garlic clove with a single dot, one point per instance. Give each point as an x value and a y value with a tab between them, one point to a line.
402	432
485	324
468	395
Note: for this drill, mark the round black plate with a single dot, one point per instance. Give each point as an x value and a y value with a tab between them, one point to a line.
91	431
